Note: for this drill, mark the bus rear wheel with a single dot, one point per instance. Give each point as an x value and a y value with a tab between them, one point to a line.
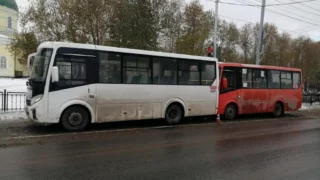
75	118
174	114
278	110
230	112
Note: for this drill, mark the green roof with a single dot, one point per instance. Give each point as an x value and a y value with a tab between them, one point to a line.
9	4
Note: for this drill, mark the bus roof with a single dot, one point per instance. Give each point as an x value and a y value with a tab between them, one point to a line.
258	66
54	44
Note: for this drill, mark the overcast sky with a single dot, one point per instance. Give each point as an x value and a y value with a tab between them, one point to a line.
296	19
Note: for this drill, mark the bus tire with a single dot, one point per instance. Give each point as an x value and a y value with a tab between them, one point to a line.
278	110
174	114
75	118
230	112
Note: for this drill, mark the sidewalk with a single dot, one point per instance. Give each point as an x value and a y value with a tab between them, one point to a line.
12	116
306	106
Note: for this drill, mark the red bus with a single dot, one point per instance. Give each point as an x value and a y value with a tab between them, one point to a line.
251	89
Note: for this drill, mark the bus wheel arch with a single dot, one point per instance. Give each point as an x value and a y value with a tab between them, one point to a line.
174	113
75	118
77	103
278	109
231	111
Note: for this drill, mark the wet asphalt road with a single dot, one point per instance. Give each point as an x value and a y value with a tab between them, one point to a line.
273	149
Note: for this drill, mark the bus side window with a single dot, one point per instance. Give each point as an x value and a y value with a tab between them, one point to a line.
109	67
246	78
286	80
259	79
273	79
296	80
72	71
189	73
232	75
136	69
164	71
208	73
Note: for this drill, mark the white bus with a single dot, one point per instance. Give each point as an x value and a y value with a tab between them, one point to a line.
77	84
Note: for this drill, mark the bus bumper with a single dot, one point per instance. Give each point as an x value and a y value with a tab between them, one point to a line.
35	113
32	114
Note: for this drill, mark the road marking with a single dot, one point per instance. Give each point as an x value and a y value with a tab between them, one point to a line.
101	131
133	129
315	117
84	133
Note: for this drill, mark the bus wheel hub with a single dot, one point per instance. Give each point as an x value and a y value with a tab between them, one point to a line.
75	119
173	114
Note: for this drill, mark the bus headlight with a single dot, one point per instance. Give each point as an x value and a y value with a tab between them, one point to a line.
36	99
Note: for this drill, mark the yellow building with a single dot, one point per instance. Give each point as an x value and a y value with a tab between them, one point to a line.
9	67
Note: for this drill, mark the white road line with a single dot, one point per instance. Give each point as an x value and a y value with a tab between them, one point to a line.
128	129
75	133
313	117
102	131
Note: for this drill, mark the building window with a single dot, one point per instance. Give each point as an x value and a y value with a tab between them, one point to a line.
3	62
9	22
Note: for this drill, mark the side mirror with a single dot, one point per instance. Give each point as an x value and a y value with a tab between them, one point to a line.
224	83
55	74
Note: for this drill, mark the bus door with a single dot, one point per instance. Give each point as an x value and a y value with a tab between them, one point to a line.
246	94
260	93
234	91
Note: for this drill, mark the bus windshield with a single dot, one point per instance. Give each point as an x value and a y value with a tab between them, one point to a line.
40	64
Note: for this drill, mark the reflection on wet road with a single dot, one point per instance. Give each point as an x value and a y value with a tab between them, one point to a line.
283	149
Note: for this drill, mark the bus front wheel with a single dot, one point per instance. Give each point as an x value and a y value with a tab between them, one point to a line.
75	118
174	114
230	112
278	110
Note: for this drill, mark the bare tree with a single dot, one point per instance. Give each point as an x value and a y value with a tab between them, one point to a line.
21	45
228	41
246	39
171	22
195	29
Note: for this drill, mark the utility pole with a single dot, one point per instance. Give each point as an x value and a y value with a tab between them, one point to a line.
215	29
259	47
